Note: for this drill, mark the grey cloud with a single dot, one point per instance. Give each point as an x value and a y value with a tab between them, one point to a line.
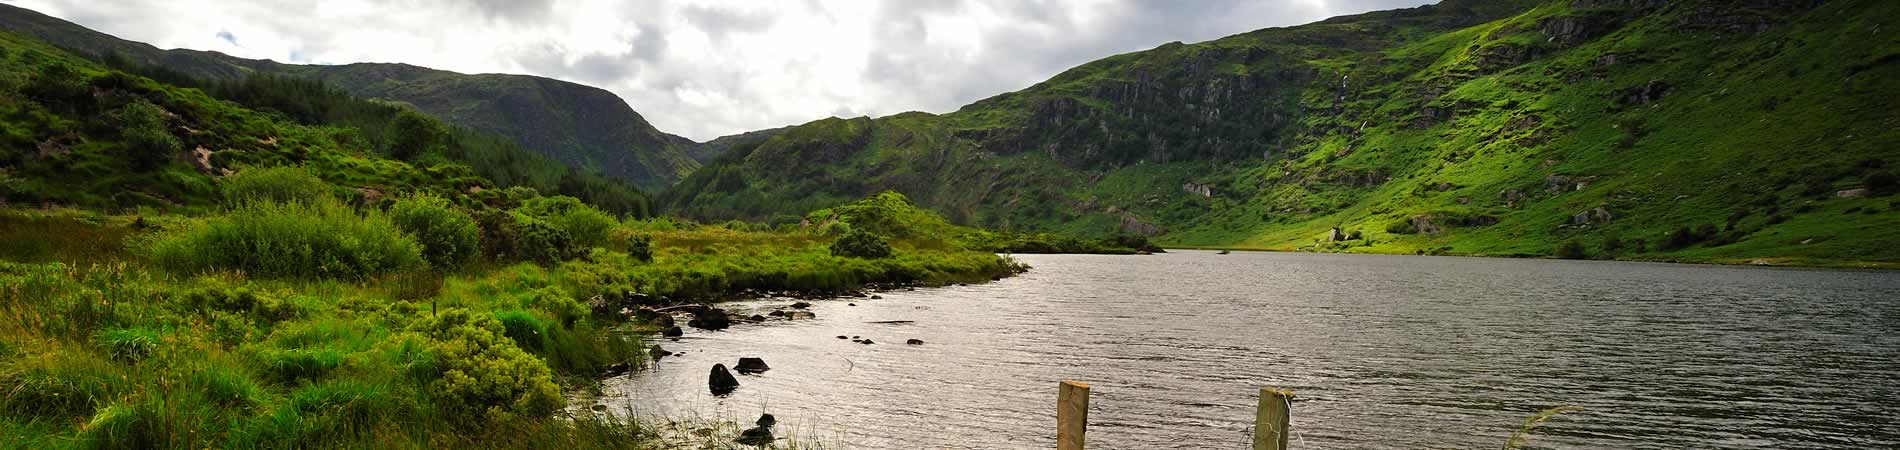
719	22
517	11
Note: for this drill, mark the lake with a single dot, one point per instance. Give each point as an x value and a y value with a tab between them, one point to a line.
1381	351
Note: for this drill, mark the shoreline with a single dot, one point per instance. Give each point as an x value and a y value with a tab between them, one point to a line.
1786	262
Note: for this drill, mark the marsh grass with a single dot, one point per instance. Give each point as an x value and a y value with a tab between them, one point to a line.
319	239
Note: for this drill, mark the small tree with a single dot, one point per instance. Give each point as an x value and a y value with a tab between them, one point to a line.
861	244
415	134
148	143
448	237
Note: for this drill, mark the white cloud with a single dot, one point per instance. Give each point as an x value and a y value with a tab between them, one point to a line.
701	68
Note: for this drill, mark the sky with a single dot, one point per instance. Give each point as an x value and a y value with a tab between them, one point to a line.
704	69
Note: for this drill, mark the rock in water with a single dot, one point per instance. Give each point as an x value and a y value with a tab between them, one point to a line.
721	381
711	319
751	366
915	342
801	305
658	352
615	370
766	420
672	332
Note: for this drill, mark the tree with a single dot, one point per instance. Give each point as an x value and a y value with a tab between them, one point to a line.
415	134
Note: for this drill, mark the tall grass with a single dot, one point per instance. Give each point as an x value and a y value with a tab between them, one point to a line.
318	239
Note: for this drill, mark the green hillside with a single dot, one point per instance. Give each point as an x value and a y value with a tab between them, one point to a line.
1715	130
581	126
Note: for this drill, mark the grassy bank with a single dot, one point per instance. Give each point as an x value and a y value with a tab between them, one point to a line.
307	323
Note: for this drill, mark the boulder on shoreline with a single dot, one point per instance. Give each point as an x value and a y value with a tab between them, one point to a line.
761	435
721	380
751	366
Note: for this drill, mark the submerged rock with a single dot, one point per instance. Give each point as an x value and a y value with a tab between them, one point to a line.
721	380
751	366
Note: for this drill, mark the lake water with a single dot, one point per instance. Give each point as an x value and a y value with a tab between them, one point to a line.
1382	352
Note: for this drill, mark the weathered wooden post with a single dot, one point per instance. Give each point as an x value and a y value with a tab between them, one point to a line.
1072	415
1271	419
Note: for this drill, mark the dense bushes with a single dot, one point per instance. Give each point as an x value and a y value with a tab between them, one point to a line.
478	371
448	237
321	239
274	184
861	244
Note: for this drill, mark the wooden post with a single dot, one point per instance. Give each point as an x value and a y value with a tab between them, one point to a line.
1072	415
1272	419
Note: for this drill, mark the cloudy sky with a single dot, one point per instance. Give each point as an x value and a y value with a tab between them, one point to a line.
705	69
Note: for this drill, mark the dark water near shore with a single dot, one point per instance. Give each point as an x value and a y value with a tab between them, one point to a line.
1382	351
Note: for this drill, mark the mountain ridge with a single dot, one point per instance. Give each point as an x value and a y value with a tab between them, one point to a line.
590	128
1440	129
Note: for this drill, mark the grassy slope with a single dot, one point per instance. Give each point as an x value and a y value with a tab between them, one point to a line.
579	125
1476	110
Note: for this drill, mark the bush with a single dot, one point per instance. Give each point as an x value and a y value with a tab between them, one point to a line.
291	240
275	184
447	236
1570	250
478	372
640	247
584	225
1403	226
537	240
861	244
523	328
149	144
1881	183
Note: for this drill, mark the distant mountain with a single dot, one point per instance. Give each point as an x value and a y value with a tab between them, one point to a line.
579	125
1719	130
706	152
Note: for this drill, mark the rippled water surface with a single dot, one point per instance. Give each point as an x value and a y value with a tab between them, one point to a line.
1383	352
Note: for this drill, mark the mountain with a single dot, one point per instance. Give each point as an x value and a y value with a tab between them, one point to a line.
706	152
578	125
1710	130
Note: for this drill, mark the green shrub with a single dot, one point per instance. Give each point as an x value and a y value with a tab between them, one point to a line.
640	247
1881	183
479	373
1570	250
586	226
589	227
128	344
1403	226
282	184
523	328
861	244
537	240
308	240
149	143
447	236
